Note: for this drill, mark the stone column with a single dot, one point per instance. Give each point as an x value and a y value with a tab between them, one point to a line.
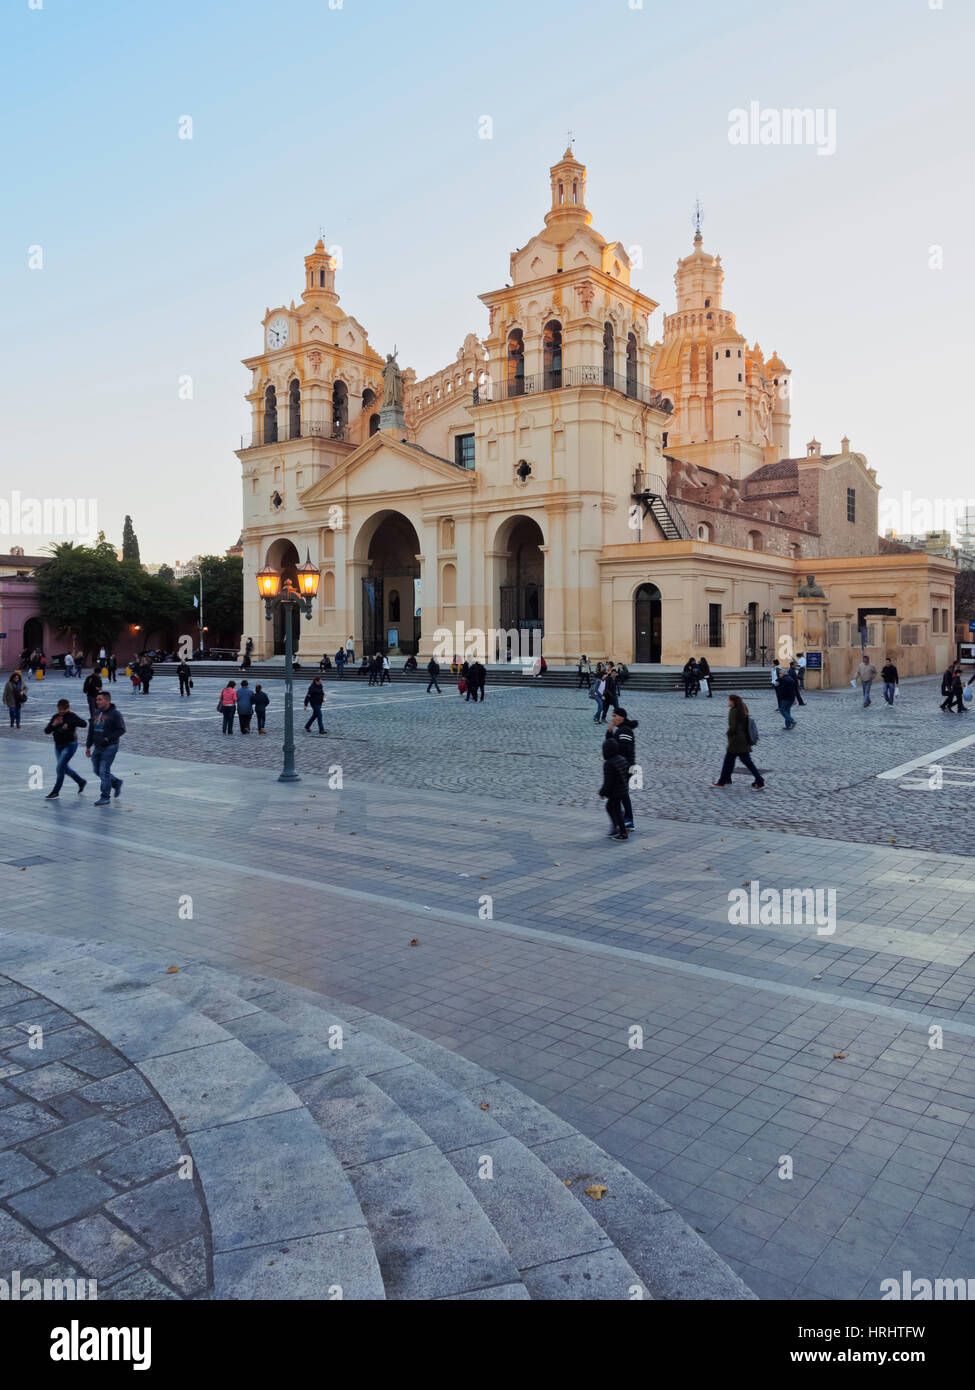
736	637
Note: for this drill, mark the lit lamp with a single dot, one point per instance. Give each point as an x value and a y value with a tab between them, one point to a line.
287	597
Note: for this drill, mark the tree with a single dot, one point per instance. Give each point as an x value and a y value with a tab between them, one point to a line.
167	573
81	590
130	542
223	597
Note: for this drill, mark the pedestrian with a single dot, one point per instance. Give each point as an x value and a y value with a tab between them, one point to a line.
349	649
79	664
185	683
90	689
786	690
614	787
704	674
261	703
585	671
339	662
374	669
68	666
245	707
866	675
476	678
315	697
363	666
610	692
596	691
385	671
104	731
621	727
801	663
227	704
63	725
742	736
691	675
14	696
947	682
794	673
776	672
956	693
433	671
135	676
112	667
101	657
622	675
891	681
146	673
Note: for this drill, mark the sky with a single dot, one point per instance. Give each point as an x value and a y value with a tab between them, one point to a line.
136	266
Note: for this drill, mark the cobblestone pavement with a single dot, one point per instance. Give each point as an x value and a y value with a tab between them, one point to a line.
541	945
540	745
89	1159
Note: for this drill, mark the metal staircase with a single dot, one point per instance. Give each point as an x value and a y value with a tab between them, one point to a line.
650	493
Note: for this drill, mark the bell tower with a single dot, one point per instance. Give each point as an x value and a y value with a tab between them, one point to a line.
319	277
568	194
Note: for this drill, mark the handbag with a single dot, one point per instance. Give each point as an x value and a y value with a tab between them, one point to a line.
220	706
23	697
191	685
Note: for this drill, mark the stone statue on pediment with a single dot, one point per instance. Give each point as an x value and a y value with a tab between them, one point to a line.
392	382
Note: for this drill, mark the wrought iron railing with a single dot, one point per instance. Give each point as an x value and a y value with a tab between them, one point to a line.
570	376
708	635
282	432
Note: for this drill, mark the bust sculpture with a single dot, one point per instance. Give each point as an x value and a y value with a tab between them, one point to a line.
811	589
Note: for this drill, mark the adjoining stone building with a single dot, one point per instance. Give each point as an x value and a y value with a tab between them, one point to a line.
566	476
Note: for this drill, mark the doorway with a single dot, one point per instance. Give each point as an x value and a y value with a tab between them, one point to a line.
648	624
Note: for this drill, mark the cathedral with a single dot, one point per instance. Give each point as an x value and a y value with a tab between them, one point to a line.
568	482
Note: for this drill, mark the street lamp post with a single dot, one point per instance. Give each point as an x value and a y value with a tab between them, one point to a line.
270	589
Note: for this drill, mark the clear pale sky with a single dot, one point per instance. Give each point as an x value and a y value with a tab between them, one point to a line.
160	254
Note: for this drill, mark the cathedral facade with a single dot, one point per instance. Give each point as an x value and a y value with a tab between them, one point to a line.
567	481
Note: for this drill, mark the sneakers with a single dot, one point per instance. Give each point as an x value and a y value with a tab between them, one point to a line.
81	785
117	788
103	801
618	837
52	796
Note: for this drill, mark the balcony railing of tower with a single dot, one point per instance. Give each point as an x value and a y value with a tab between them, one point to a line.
569	377
282	432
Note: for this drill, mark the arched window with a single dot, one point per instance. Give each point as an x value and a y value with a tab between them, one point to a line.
321	278
294	409
394	605
552	355
575	191
755	540
631	364
609	351
516	363
561	195
270	416
368	396
704	531
340	408
373	425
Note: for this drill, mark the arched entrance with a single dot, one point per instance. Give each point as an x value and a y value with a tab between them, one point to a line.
283	556
33	635
647	624
390	586
521	595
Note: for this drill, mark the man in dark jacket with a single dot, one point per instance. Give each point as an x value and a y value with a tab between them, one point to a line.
614	787
183	672
433	671
476	676
104	731
63	726
261	703
611	692
316	698
245	707
112	667
890	679
947	681
956	691
691	675
146	674
787	689
621	727
90	689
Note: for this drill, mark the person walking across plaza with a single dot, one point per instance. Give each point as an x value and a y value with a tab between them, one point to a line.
112	667
185	681
90	689
385	672
315	696
787	689
14	696
621	727
614	786
433	671
104	732
740	745
349	651
68	666
891	680
866	675
227	705
795	674
596	691
261	703
947	681
146	674
776	672
585	671
476	677
63	726
611	694
245	707
956	689
801	663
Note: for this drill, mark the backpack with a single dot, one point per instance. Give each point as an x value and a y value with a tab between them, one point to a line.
752	729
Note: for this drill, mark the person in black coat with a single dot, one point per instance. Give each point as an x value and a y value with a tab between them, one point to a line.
476	676
621	727
433	671
183	673
611	692
315	696
704	673
691	678
261	703
63	726
614	786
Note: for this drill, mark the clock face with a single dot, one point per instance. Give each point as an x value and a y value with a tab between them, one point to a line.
277	332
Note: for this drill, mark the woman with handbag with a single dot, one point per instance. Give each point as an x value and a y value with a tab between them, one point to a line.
227	706
14	695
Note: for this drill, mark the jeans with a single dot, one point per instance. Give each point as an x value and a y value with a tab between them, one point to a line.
245	721
261	716
727	767
65	753
889	688
386	677
866	692
101	764
341	666
785	709
599	709
316	713
614	809
15	716
433	681
228	718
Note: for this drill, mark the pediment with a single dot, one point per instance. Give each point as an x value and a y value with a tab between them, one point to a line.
385	464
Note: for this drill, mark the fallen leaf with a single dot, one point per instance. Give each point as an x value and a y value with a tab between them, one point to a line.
484	1105
597	1191
566	1182
415	942
172	970
838	1056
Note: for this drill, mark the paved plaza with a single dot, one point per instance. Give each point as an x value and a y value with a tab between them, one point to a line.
801	1098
